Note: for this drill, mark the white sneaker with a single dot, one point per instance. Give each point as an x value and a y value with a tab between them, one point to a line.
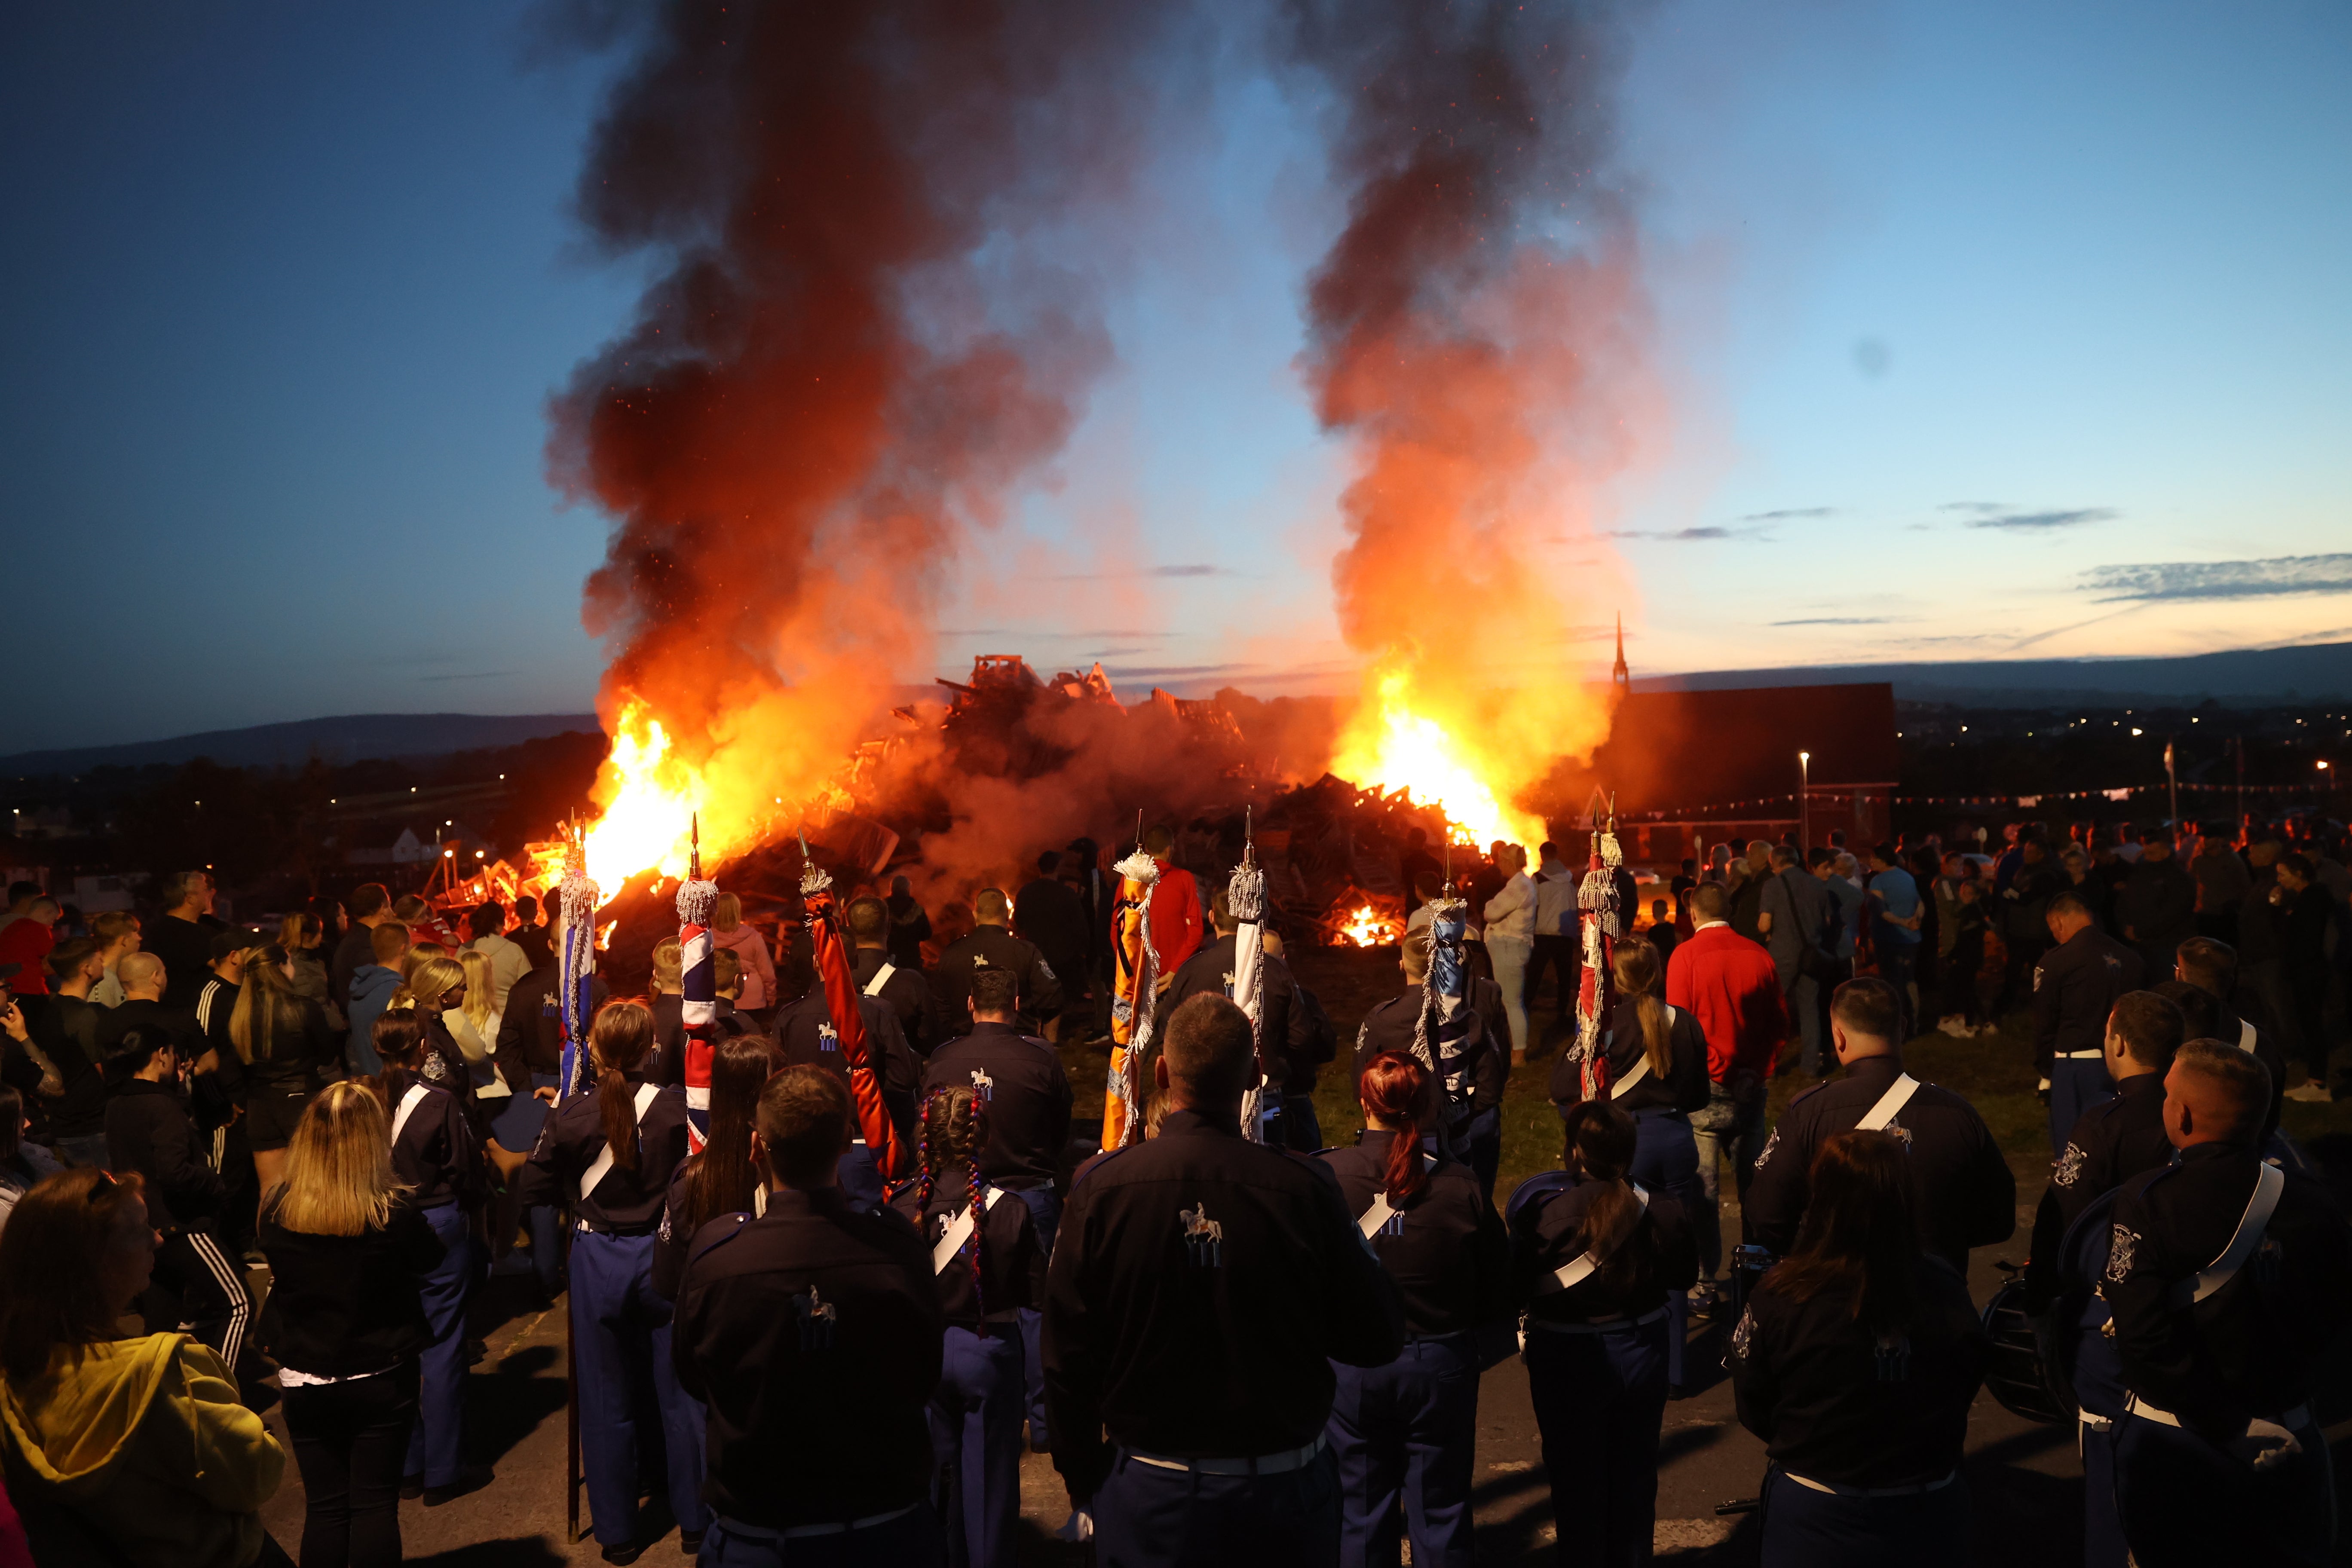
1079	1526
2310	1092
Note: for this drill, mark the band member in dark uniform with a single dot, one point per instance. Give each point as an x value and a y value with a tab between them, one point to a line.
1964	1190
435	1153
2227	1276
2212	967
1200	1287
805	1032
991	946
1472	1056
1595	1257
1025	1097
614	1149
1657	1074
718	1178
1857	1361
882	977
2075	985
1405	1432
824	1456
988	1264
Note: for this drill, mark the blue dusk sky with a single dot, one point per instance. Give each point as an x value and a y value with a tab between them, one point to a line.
1976	332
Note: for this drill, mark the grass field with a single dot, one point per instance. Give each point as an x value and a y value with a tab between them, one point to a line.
1994	1071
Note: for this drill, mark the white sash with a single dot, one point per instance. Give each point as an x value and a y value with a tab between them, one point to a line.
647	1093
408	1104
881	978
2245	1036
1579	1268
2269	1183
958	1231
1641	1064
1890	1104
1382	1211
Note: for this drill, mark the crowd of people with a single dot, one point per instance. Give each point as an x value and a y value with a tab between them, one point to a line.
805	1333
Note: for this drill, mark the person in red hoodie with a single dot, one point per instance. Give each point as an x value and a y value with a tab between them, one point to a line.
1729	984
1175	908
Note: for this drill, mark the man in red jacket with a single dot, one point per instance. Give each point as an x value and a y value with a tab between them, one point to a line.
1729	984
1175	908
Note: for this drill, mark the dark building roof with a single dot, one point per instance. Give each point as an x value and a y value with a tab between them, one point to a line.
1669	750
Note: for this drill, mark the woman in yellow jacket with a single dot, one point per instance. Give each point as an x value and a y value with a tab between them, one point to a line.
118	1450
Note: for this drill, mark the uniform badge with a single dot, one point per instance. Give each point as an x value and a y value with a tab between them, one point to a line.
1770	1143
2037	977
982	1086
827	1037
2115	965
1896	1130
1044	968
1893	1357
817	1318
1745	1331
979	961
436	1070
2119	1254
1204	1238
2069	1169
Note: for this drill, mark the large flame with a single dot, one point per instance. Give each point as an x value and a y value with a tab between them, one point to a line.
1394	740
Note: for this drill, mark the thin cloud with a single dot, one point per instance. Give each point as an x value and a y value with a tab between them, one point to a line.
1791	514
472	675
1973	506
2222	579
1688	535
2042	521
1180	569
1840	621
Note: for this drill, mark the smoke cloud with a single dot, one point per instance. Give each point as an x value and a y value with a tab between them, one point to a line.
854	350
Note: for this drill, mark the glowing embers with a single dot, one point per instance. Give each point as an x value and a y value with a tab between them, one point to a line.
1365	926
1390	744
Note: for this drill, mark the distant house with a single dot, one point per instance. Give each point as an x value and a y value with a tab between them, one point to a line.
96	895
401	849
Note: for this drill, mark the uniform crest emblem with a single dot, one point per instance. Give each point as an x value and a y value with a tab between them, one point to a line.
2037	977
1893	1358
2120	1248
983	1085
1896	1130
1743	1333
1044	968
1204	1238
979	961
828	1039
2069	1169
1770	1143
817	1318
2115	965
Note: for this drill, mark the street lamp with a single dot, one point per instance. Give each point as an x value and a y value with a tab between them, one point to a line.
1805	802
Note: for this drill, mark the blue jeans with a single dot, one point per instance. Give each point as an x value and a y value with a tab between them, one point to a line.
975	1417
436	1442
86	1149
1147	1517
1666	1160
1806	1528
1405	1432
620	1343
1599	1400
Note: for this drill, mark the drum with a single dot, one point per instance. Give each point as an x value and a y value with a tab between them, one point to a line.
2016	1373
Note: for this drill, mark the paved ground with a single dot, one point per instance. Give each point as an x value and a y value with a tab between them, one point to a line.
2025	1479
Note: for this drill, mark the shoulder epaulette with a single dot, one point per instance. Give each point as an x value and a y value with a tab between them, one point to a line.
1804	1094
722	1237
1089	1166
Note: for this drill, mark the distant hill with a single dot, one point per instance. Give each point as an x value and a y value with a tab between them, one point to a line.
352	738
2318	673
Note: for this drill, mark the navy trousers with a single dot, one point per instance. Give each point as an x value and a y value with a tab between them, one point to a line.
909	1540
515	1127
1044	1206
1806	1528
1404	1434
2098	1380
1302	1130
1147	1517
437	1443
976	1441
2075	1087
1600	1399
629	1394
1666	1160
2184	1502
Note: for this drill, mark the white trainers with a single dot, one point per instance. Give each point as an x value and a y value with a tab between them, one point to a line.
2310	1092
1079	1526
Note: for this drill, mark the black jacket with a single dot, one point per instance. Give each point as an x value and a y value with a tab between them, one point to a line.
1684	1085
1010	1276
342	1305
623	1201
1547	1214
2113	1142
1444	1250
1049	913
805	1032
148	1130
1472	1062
1835	1403
1963	1190
1201	1287
1313	1038
993	947
436	1151
1210	973
909	994
530	1031
836	1312
66	1028
2074	988
1027	1100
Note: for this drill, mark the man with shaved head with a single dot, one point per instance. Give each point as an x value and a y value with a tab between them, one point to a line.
2227	1278
1201	1285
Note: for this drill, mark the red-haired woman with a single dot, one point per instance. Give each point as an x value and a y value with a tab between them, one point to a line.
613	1151
1594	1259
1857	1361
1407	1429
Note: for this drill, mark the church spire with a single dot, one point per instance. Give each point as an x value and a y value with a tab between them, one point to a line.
1620	676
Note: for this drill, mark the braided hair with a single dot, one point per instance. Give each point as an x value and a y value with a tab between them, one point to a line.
955	1129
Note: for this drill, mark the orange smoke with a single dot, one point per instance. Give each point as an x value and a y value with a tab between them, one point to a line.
1477	332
